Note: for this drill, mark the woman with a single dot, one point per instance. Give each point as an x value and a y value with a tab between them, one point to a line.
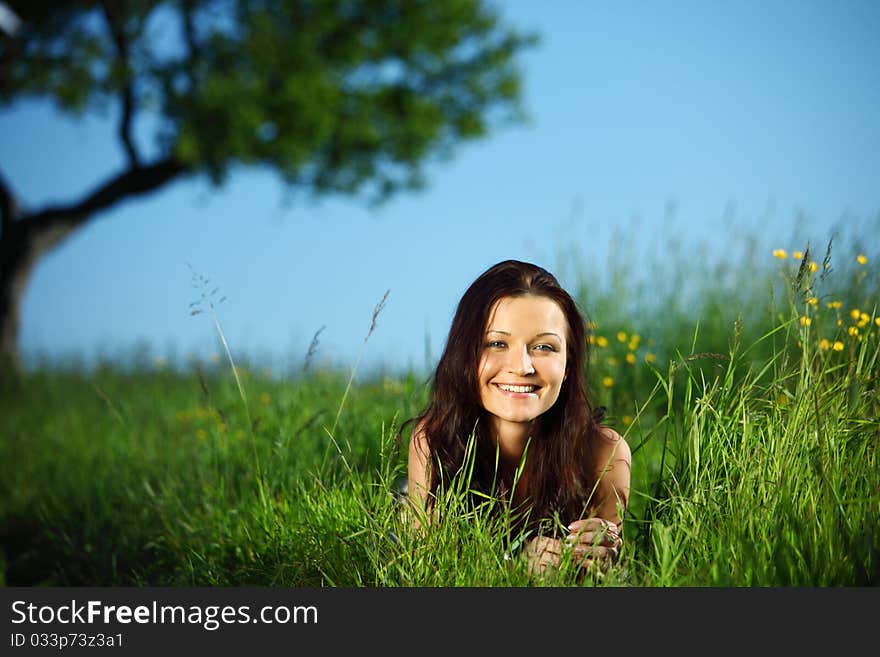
512	379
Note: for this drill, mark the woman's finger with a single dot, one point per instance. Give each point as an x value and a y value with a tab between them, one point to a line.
588	524
606	535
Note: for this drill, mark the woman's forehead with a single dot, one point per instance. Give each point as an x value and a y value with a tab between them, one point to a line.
527	313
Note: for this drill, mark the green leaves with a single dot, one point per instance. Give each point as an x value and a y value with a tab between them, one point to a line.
335	96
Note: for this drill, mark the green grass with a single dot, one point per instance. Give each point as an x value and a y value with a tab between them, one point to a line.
755	456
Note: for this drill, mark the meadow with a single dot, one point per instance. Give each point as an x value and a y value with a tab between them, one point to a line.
748	391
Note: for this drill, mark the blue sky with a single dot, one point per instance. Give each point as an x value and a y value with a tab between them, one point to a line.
745	112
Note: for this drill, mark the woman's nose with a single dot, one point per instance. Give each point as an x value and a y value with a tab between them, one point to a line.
521	362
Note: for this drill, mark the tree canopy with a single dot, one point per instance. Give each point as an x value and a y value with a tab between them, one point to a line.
335	95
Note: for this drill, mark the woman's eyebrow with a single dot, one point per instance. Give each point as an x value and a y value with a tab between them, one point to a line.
539	335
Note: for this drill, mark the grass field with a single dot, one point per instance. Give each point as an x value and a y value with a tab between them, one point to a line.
751	404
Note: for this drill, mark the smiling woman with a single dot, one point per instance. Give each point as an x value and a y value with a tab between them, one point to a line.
510	392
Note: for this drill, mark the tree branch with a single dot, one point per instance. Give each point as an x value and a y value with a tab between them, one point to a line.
189	34
8	207
54	223
127	91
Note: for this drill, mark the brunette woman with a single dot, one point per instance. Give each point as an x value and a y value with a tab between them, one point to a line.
512	378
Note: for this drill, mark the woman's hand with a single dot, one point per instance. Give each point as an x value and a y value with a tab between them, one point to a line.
594	542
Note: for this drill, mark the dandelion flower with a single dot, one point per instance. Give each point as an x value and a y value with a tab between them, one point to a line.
854	331
806	321
813	267
607	381
621	336
837	346
813	301
797	255
602	341
612	361
824	344
855	313
650	358
861	259
627	420
833	304
631	358
780	253
877	321
864	317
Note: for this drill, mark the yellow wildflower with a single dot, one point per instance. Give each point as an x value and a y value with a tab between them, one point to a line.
607	382
780	253
612	361
650	358
865	317
631	358
591	339
861	259
853	331
797	255
602	341
840	322
806	321
813	301
627	420
877	321
833	304
813	266
855	314
837	346
824	344
621	336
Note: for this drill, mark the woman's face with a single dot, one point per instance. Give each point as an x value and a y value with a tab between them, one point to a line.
522	365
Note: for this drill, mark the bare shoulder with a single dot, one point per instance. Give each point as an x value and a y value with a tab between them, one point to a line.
611	447
418	442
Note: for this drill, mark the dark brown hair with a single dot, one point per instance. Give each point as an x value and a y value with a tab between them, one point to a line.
562	472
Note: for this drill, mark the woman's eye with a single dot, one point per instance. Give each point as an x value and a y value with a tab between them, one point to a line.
496	344
545	347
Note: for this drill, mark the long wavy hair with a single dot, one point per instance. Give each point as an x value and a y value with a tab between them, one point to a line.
562	471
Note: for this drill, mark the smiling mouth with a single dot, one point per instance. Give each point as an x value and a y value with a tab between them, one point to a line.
524	389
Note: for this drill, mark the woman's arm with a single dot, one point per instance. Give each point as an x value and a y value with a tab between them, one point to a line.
597	539
418	475
613	460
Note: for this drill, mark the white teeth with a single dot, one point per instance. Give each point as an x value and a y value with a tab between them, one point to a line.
509	388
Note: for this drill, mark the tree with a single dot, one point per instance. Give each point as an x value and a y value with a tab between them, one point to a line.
336	96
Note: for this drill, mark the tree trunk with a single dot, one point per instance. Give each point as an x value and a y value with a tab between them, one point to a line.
24	239
19	250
